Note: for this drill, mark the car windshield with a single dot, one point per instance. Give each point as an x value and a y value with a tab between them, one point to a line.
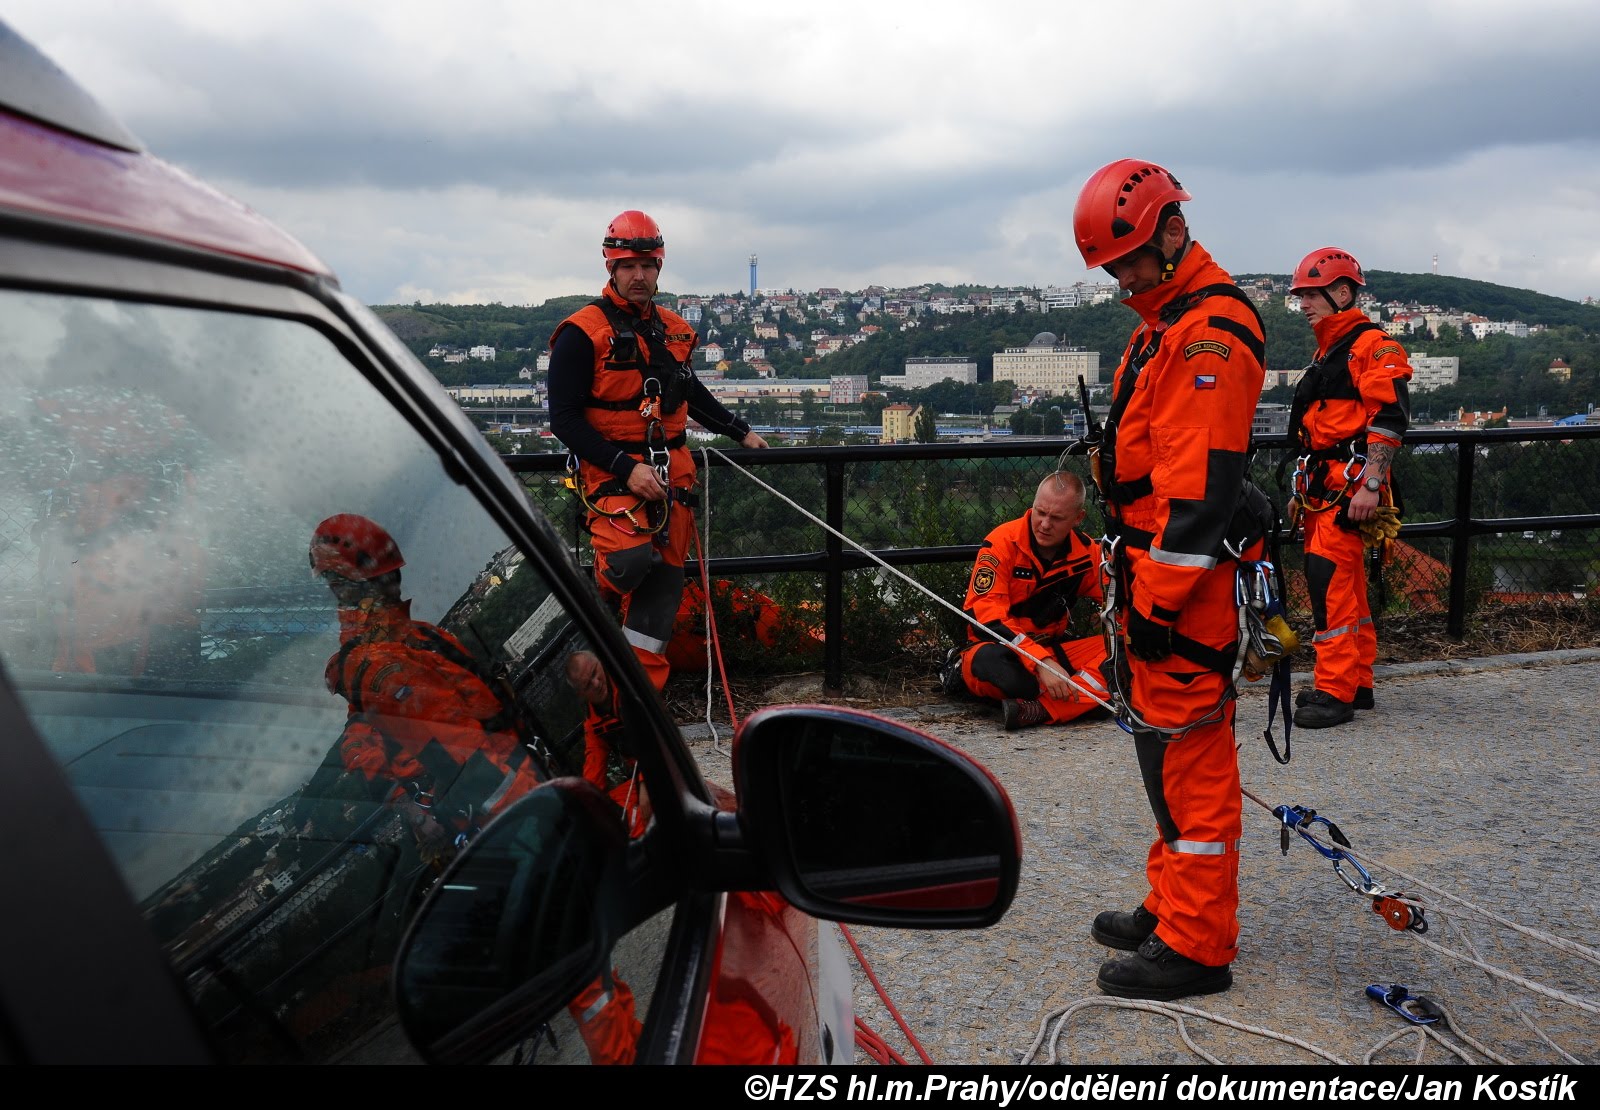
286	662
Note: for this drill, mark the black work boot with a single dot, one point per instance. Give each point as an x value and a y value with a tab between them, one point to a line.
1022	713
950	679
1322	710
1127	931
1364	698
1157	972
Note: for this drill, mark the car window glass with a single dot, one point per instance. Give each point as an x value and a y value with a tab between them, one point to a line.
287	664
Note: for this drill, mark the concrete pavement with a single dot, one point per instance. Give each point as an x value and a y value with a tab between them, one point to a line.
1469	787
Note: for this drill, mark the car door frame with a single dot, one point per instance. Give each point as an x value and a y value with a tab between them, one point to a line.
52	255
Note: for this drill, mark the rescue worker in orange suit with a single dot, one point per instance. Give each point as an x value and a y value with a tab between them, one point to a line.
428	727
430	732
1350	414
1172	470
1024	582
606	746
621	393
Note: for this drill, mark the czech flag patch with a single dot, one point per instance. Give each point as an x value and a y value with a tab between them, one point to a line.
1205	381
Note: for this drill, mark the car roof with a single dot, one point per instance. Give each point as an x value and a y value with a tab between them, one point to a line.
63	156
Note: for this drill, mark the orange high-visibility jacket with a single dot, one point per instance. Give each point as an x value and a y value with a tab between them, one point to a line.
1183	437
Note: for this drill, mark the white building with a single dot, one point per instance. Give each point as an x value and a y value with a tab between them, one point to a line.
1047	366
1433	372
482	354
846	389
923	372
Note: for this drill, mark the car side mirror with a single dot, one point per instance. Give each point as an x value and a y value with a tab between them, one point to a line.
861	819
519	922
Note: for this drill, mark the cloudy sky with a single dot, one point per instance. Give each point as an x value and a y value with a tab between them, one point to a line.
474	150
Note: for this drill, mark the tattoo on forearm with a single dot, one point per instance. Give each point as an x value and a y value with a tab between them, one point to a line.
1379	457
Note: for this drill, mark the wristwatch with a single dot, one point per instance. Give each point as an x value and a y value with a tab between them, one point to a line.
1373	483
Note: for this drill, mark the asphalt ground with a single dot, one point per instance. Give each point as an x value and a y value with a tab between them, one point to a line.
1470	788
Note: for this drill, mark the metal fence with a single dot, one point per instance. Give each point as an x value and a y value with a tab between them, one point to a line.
1491	517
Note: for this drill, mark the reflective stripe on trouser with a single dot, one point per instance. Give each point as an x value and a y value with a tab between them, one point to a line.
604	1013
1193	866
1346	641
993	671
1193	782
646	572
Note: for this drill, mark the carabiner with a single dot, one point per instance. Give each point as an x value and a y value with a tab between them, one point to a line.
1412	1007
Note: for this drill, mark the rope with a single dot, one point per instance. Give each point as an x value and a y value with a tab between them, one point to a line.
1173	1010
884	995
913	583
712	640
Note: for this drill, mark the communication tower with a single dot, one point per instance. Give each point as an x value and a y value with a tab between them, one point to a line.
752	275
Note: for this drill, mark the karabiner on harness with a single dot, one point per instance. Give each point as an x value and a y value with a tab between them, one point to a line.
653	521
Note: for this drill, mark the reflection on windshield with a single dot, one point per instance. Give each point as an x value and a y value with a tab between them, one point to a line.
280	757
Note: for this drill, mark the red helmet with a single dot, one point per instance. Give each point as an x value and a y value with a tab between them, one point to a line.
1119	207
353	547
633	235
1324	266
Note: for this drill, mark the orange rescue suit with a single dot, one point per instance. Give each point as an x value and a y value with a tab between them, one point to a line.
1363	401
1184	397
1027	601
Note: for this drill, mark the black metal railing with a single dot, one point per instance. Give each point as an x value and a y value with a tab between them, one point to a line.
1489	514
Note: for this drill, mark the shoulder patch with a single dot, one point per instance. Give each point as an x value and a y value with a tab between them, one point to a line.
1388	349
983	580
988	559
1207	347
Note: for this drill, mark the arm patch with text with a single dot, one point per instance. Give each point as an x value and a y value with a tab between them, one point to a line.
1207	347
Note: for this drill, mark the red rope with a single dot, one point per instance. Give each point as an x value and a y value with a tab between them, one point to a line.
894	1013
711	620
875	1046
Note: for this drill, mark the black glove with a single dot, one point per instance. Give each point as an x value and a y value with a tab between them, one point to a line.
1148	640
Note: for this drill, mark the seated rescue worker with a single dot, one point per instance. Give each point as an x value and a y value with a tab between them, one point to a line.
606	759
1024	583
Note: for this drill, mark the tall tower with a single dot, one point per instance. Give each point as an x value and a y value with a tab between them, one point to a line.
752	275
1436	265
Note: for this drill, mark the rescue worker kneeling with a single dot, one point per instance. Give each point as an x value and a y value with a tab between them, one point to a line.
1024	583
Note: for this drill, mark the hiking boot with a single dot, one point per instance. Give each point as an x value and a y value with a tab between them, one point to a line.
1322	710
1157	972
1127	931
950	680
1022	713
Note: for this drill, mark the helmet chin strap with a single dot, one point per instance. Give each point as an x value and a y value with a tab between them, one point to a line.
1169	265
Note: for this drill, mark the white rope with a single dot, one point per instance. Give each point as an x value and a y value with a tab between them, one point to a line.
1172	1010
912	582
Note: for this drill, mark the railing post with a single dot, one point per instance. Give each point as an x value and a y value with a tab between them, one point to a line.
1461	540
833	590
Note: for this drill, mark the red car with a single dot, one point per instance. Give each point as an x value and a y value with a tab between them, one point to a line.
291	752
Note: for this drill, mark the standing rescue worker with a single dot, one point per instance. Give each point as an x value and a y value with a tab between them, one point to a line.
621	393
1172	470
431	732
1349	417
429	729
1023	585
